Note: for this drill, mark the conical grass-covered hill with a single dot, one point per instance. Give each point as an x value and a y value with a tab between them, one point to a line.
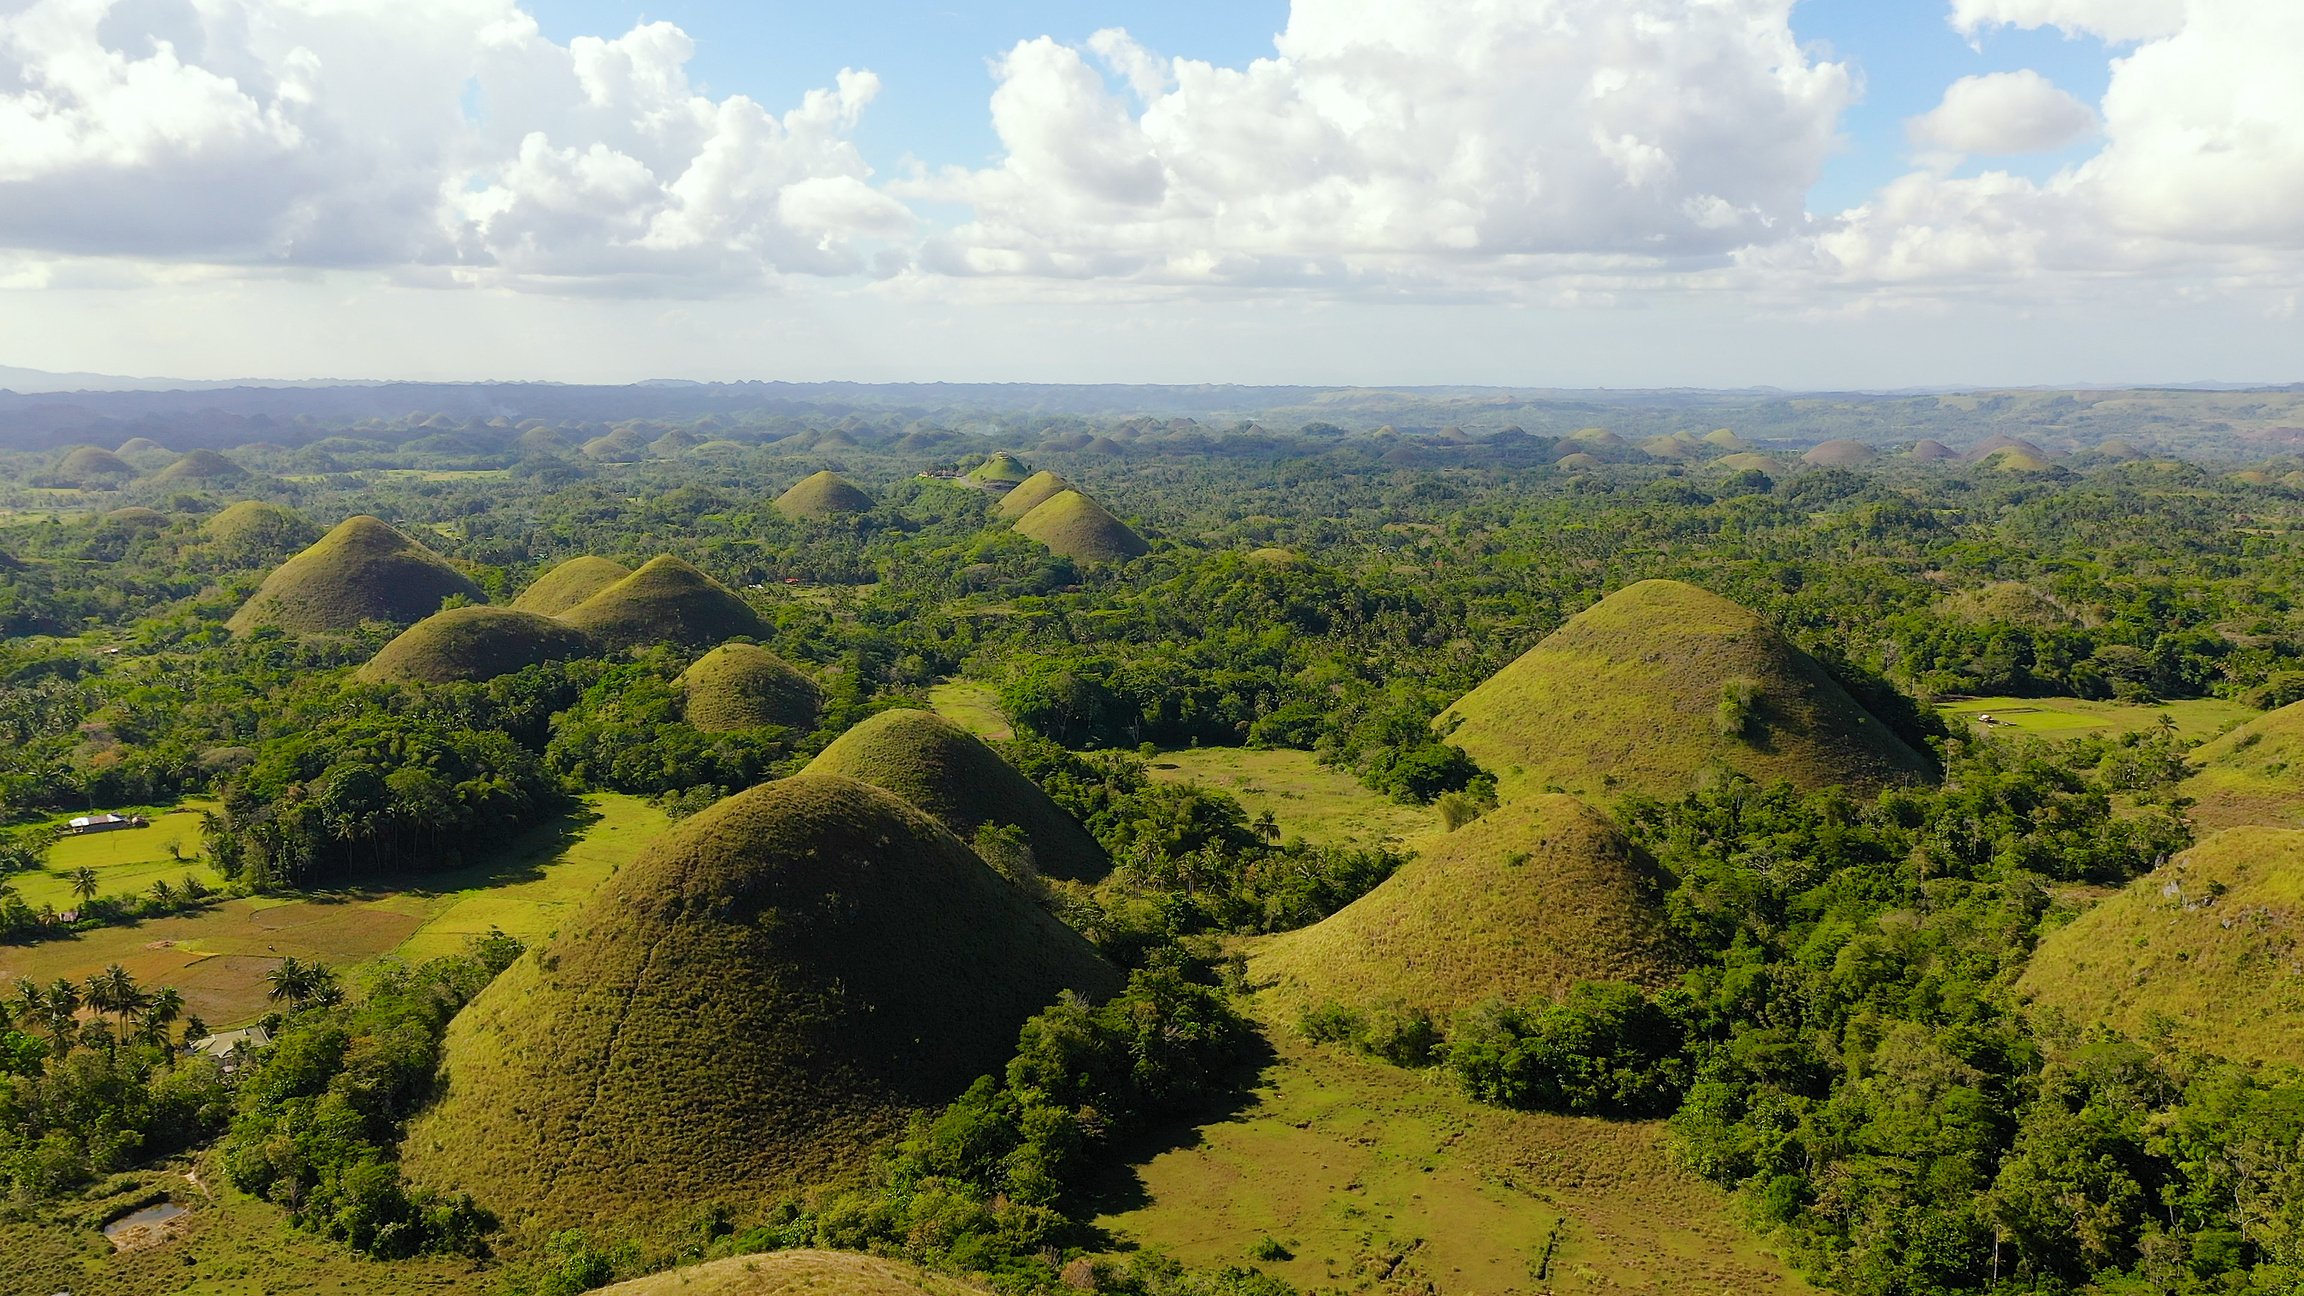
1074	526
1527	900
1002	467
199	468
475	643
364	570
820	496
949	774
2207	942
1653	685
666	601
766	993
1031	493
797	1273
92	466
569	584
2252	775
144	452
1840	454
253	530
745	686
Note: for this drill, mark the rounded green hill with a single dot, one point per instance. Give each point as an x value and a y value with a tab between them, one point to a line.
796	1273
2252	775
1031	493
91	466
136	516
666	601
1928	451
1577	462
569	584
2205	942
760	998
200	468
1840	454
1002	467
949	774
475	643
144	452
1637	692
822	495
2013	459
1748	461
1076	527
254	531
364	570
745	686
1527	900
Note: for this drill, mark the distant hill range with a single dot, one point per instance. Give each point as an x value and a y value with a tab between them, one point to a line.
50	411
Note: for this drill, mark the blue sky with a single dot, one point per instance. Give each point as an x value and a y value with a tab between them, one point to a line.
1526	192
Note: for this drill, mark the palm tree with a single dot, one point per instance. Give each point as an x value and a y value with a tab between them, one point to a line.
1268	828
113	990
161	1009
288	981
60	1005
84	883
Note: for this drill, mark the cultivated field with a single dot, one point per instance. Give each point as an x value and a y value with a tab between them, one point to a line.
2058	717
127	860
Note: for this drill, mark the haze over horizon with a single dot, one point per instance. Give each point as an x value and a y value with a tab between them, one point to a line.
1828	195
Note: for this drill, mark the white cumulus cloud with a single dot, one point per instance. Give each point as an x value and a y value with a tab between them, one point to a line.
2113	20
1402	144
2002	113
424	136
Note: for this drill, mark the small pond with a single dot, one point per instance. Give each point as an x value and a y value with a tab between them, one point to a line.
127	1227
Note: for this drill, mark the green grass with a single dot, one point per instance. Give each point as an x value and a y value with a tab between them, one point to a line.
219	956
253	531
2253	774
1322	805
1002	467
1529	899
199	467
127	860
364	570
476	642
745	686
2080	717
752	1003
972	706
1628	697
1383	1180
797	1273
947	773
820	496
89	465
2205	944
1031	493
569	584
1074	526
666	601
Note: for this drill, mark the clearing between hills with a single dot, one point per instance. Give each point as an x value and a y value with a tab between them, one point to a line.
2066	717
972	706
219	956
1324	806
1373	1178
127	860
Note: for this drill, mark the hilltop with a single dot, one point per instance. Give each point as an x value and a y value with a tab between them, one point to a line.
1648	688
364	570
797	1273
90	465
569	584
949	774
822	495
1840	454
475	643
745	686
759	998
2207	941
1527	900
666	601
1002	467
1076	527
2252	775
205	467
253	530
1030	493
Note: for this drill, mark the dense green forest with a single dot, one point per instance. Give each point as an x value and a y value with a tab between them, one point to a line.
1844	1046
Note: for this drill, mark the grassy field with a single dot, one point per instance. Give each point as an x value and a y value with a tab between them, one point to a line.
972	706
2080	718
127	860
1372	1178
1324	806
219	957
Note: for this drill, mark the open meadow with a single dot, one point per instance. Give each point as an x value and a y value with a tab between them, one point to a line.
1322	805
2068	717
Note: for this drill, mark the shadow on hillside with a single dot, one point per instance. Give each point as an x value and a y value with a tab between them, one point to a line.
522	859
1122	1186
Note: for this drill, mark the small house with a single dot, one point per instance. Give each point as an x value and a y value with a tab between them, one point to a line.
101	823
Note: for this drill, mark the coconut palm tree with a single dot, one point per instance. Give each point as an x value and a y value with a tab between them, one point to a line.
161	1009
60	1010
84	883
163	893
113	990
1268	828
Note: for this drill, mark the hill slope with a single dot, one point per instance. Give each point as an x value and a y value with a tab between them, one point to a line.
2208	940
820	496
949	774
475	643
199	468
1076	527
253	529
1031	493
569	584
666	601
1628	696
89	465
1840	454
1529	899
744	686
1002	467
751	1004
2252	775
364	570
796	1273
